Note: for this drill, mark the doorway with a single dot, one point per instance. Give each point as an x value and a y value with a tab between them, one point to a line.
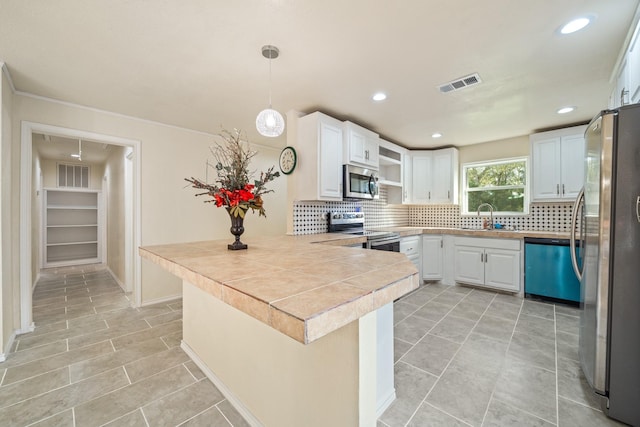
131	209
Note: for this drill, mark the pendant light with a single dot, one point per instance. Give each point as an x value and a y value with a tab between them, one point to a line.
270	122
79	154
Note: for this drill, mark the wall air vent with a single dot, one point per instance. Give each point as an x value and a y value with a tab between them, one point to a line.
461	83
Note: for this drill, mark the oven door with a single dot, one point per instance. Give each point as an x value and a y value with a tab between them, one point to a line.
389	245
359	183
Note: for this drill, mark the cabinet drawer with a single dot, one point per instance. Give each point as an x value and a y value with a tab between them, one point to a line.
410	245
484	242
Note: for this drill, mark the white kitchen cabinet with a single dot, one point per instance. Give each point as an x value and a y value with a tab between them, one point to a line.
391	160
422	172
633	67
432	257
557	164
72	227
435	176
360	146
412	248
407	182
319	148
493	263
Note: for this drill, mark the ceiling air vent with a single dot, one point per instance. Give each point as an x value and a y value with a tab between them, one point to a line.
461	83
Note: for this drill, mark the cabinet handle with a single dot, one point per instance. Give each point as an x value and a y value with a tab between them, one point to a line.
481	257
563	189
366	154
558	189
623	93
638	220
429	195
448	194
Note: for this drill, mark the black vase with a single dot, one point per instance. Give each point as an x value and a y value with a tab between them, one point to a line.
237	228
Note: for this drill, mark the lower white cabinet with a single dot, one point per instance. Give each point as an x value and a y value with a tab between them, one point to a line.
432	257
493	263
411	247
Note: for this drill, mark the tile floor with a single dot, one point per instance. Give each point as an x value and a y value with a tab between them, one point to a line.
93	360
467	357
464	357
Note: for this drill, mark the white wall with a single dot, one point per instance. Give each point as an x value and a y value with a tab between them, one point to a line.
114	208
50	171
169	212
7	259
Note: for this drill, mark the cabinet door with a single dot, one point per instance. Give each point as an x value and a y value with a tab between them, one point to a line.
572	165
330	167
441	177
432	257
371	152
546	168
357	143
469	265
633	64
407	179
422	170
502	269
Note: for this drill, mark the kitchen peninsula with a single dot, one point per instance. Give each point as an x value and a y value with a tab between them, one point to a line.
289	329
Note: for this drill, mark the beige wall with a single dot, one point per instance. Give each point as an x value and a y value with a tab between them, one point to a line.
50	173
169	211
494	150
37	196
7	311
114	210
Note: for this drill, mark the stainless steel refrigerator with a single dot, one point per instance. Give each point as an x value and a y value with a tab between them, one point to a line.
609	228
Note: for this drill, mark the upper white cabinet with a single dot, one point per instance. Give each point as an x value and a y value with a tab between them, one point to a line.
360	146
557	164
434	176
391	160
627	83
319	168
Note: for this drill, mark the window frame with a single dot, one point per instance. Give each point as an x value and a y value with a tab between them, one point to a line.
465	190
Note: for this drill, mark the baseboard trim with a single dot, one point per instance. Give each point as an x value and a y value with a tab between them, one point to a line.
161	300
122	285
7	348
386	403
235	402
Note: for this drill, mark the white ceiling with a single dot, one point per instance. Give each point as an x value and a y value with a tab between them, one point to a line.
198	64
59	148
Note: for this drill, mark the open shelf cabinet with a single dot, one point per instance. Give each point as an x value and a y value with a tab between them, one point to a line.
72	227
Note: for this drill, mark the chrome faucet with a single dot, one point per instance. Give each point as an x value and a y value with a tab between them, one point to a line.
490	213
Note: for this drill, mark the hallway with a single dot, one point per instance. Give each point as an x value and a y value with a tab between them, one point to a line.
94	360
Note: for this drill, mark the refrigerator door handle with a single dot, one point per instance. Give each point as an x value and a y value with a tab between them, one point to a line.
572	240
638	208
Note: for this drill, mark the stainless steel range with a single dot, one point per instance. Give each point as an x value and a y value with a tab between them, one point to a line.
353	223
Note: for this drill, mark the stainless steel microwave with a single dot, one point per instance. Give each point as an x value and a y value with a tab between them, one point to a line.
359	183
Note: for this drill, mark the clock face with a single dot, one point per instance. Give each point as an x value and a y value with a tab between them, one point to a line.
287	160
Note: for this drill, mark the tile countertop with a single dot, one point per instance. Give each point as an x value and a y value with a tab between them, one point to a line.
505	234
292	283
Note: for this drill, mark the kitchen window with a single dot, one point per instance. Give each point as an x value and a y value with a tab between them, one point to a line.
503	183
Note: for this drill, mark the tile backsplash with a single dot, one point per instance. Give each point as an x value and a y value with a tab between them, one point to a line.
309	216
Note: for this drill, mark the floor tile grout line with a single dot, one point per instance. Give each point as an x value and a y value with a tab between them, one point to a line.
443	411
222	412
424	399
73	415
580	403
513	331
4	374
126	374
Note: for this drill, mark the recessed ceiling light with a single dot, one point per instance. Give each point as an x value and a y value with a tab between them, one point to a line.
565	110
576	25
379	96
436	135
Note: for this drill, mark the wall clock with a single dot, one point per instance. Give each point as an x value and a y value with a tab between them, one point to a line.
288	160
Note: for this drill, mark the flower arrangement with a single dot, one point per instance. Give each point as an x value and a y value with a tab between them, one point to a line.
233	188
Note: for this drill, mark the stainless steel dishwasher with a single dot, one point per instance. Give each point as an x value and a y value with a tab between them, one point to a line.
548	270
